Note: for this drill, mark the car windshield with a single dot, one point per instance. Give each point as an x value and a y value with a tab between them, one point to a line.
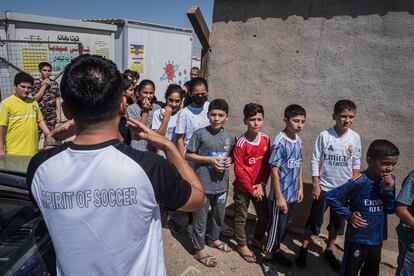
21	234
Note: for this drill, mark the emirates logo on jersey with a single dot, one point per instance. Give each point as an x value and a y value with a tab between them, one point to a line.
34	108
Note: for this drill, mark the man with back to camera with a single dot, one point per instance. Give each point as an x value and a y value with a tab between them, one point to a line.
100	198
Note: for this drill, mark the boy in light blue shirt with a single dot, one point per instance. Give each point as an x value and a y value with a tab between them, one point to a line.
286	185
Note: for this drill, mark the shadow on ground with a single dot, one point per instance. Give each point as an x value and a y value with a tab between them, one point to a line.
180	261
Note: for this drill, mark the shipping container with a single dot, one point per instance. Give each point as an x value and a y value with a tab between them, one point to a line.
26	40
160	53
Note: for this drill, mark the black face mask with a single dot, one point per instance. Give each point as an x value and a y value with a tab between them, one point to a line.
198	100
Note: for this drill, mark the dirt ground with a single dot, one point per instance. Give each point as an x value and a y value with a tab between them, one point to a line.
179	259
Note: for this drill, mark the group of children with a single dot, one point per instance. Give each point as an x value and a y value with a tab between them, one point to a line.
361	198
198	129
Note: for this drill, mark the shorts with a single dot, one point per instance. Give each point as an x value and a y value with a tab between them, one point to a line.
314	223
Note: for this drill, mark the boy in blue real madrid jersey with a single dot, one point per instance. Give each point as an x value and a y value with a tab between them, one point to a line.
286	185
364	201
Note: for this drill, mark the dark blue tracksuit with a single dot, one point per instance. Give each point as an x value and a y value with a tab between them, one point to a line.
373	202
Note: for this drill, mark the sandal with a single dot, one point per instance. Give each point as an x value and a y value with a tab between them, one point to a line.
222	246
248	258
206	260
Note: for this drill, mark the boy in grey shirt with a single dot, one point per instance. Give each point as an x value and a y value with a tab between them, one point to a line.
210	148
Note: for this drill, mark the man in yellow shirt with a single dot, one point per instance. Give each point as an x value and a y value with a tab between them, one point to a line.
19	118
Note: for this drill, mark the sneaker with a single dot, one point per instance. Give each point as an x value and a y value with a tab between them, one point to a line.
301	258
332	260
278	258
174	227
268	268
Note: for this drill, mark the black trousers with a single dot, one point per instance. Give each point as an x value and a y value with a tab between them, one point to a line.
362	257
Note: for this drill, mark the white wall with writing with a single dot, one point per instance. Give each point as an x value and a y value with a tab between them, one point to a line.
60	54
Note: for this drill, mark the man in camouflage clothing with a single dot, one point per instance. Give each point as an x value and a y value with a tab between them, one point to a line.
46	92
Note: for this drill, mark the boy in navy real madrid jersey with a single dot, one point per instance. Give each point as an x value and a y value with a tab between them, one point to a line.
368	197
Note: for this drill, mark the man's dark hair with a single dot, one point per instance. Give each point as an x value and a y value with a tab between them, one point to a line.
196	82
23	77
343	105
91	89
382	148
219	104
44	64
294	110
251	109
195	68
132	74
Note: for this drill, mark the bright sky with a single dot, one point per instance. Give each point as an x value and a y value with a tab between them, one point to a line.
166	12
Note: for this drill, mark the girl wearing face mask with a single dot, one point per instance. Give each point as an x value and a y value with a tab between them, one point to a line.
193	116
165	119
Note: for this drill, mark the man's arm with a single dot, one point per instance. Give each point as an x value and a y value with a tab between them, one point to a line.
39	94
3	130
197	197
58	111
180	144
62	132
43	127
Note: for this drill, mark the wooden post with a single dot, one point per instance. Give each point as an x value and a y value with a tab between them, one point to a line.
203	33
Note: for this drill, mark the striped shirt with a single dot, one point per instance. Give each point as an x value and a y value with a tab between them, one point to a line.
287	156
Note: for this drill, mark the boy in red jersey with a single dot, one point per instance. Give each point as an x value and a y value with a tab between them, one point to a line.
251	169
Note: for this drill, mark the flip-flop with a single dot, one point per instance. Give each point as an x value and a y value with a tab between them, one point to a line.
206	260
248	258
222	247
